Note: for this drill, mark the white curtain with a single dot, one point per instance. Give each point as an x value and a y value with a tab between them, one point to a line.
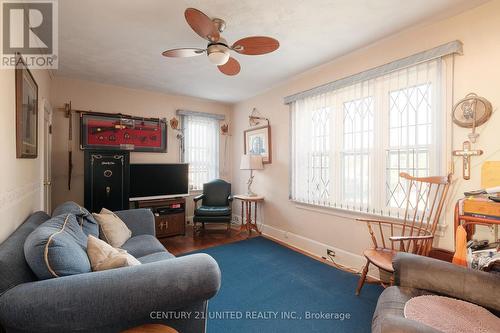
200	149
348	145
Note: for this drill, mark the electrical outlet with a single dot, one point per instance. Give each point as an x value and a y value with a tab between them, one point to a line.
330	253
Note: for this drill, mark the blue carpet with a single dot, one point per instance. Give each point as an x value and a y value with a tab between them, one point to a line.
267	287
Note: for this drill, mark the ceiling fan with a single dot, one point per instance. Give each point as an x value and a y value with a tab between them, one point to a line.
218	50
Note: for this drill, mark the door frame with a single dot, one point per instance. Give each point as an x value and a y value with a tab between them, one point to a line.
47	157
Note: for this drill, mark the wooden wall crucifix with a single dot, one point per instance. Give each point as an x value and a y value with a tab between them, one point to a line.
466	154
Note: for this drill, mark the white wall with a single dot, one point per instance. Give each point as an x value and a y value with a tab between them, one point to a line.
476	71
86	95
20	179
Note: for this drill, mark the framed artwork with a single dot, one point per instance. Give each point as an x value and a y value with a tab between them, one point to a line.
258	142
120	132
26	112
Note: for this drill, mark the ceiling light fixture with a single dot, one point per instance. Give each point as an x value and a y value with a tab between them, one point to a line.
218	54
218	50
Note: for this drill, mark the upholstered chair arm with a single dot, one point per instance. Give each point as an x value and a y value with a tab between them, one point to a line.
445	278
112	300
398	324
198	197
139	221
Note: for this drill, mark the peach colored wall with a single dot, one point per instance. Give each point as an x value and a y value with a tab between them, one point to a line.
478	70
86	95
20	179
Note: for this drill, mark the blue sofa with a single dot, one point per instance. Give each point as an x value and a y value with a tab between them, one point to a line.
163	290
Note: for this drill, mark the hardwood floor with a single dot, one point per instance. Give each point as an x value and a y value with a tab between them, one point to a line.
213	236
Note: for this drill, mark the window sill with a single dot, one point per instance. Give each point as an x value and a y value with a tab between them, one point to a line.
350	214
195	192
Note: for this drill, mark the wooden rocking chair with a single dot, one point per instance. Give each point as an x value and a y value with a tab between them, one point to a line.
425	199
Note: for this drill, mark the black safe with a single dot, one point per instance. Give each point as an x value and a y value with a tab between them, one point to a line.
106	180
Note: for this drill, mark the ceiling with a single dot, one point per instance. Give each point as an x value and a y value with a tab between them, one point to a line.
120	41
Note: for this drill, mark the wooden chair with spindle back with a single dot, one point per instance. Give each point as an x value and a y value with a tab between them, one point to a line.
424	201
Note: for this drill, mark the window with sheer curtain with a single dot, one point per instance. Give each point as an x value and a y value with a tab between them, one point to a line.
200	149
348	145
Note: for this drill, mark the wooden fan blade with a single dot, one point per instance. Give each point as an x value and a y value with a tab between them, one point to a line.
183	53
201	24
256	45
231	67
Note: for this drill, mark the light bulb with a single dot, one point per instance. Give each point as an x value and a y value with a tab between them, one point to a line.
218	54
218	58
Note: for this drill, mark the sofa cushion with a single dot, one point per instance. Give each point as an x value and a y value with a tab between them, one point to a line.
391	303
113	229
142	245
103	256
57	248
450	315
85	219
14	269
212	211
154	257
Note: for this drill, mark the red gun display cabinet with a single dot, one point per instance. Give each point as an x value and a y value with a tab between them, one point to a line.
120	132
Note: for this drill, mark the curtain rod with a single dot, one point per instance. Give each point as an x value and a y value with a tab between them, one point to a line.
200	114
454	47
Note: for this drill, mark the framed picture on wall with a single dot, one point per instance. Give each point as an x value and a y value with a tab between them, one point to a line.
120	132
257	141
26	112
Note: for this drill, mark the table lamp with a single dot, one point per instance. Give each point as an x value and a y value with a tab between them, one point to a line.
251	162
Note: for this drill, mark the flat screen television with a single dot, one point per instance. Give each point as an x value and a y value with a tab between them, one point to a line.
157	181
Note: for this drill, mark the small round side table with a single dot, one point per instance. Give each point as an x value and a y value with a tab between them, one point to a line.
249	222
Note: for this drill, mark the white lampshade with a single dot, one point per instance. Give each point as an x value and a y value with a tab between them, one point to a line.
251	162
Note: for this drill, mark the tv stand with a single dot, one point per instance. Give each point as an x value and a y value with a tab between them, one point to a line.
170	215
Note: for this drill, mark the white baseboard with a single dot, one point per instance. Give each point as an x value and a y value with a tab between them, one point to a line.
317	249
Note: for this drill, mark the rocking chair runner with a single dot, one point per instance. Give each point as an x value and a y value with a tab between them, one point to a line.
417	230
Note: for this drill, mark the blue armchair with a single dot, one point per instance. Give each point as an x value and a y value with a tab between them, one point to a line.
215	206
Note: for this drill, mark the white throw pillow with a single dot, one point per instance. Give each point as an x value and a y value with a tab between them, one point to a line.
103	256
114	230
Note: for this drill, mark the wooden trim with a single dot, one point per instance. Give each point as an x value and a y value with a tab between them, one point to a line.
116	114
270	145
219	117
433	180
441	254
